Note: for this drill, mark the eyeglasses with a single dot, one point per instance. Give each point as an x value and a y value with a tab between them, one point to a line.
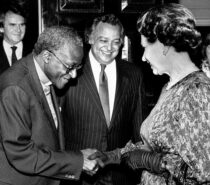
68	68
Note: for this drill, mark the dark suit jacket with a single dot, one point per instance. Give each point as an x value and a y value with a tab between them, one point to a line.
85	123
32	149
4	63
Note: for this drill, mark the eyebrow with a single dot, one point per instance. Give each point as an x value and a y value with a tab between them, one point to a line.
101	37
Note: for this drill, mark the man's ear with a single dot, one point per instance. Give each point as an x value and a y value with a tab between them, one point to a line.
46	56
208	51
91	39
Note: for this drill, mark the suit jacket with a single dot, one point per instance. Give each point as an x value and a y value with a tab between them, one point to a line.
85	123
4	63
32	149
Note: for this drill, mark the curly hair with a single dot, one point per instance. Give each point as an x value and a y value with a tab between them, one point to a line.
55	37
173	25
108	18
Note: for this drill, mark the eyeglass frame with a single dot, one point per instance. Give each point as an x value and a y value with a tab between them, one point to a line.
68	68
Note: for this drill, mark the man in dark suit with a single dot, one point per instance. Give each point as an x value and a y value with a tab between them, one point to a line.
86	120
14	27
32	141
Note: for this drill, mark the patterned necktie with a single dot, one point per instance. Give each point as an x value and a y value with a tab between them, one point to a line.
104	93
14	58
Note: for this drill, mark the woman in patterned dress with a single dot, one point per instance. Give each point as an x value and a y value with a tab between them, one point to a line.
175	146
176	134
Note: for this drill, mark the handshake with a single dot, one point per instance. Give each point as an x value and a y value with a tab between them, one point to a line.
94	159
134	159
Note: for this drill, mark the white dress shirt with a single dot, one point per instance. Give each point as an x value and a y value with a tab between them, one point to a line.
8	50
111	75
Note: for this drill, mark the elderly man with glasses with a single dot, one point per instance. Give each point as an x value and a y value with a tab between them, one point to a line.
32	139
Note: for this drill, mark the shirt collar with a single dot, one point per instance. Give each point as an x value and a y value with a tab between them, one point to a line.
8	46
96	64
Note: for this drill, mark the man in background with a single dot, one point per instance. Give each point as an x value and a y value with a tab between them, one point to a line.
32	141
12	47
103	107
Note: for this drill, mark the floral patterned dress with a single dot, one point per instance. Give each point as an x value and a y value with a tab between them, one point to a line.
179	126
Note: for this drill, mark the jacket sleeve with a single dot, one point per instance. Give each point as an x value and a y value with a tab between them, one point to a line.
139	103
22	152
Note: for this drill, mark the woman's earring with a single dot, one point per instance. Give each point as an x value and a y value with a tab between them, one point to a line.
165	51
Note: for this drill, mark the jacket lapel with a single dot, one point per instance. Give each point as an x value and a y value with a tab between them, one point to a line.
38	91
88	80
122	83
4	63
121	89
60	125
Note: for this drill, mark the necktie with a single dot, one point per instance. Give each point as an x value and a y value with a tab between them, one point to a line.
14	58
48	93
104	93
57	118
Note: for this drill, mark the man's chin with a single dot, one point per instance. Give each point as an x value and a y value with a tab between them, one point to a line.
107	61
60	85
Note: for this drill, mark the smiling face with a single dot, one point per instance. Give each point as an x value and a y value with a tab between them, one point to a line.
153	54
105	42
14	28
56	71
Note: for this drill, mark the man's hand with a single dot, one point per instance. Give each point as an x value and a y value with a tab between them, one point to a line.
89	166
105	158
